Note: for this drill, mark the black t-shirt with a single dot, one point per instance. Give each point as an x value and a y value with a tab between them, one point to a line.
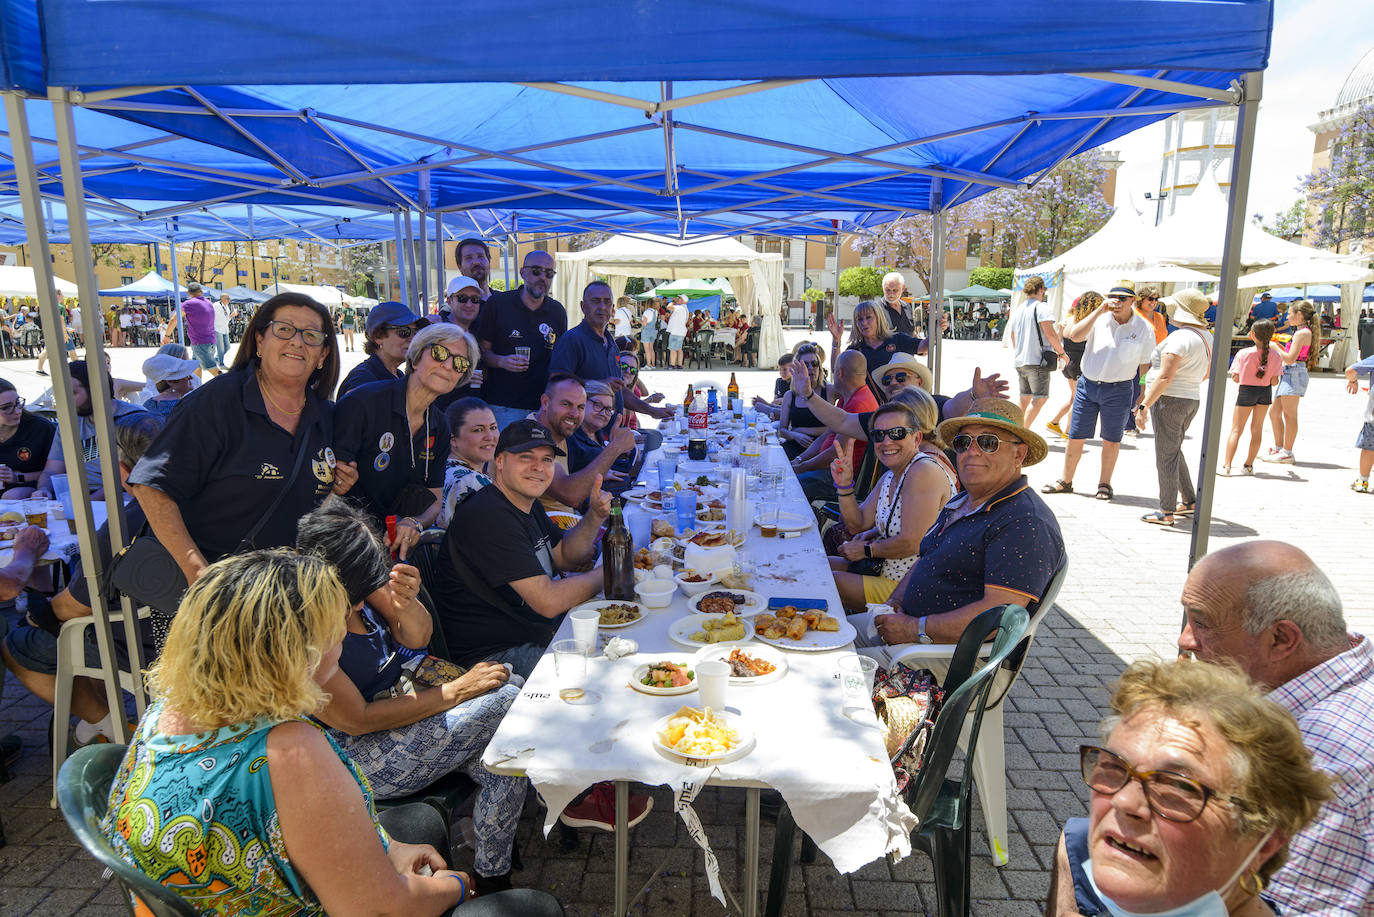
77	586
27	450
370	370
506	323
223	461
780	387
898	317
371	428
499	543
878	356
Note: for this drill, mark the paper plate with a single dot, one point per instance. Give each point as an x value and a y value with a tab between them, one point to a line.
746	741
636	493
640	671
791	522
752	605
598	605
680	631
766	653
815	641
694	467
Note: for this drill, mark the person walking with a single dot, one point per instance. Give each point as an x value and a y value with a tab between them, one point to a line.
677	332
1256	369
1037	346
224	312
1073	369
648	334
1304	348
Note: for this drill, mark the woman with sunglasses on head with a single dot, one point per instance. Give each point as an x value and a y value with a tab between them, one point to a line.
1197	789
473	434
251	451
399	439
387	334
916	484
25	440
798	427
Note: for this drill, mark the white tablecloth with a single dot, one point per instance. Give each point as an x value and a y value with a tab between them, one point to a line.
62	542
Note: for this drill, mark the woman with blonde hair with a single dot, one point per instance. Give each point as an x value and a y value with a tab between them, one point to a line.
229	794
1081	309
871	334
1299	359
1197	787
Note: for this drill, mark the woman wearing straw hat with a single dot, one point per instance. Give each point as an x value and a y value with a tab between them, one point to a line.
1173	391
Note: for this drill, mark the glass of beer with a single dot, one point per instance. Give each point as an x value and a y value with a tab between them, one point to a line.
768	519
36	512
570	663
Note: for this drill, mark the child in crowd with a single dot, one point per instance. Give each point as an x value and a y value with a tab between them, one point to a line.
1365	441
1257	369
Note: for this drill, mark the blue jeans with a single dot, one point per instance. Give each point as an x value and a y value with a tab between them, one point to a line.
221	348
818	485
506	416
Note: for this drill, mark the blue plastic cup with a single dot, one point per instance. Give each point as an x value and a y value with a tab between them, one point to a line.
686	510
667	470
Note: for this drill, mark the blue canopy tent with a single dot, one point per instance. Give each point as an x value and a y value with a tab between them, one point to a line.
151	285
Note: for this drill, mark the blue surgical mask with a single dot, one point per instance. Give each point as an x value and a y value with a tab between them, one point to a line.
1210	904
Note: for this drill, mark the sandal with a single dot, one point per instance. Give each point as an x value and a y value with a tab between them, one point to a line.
1185	509
1104	492
1157	518
1058	487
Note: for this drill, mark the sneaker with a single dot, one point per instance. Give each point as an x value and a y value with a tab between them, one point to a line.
1225	471
1053	427
1285	458
597	809
1361	486
1247	469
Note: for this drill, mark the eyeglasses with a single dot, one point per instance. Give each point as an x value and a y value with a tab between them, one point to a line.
988	443
899	378
541	271
463	297
896	434
286	331
599	407
628	369
15	405
405	332
442	354
1169	795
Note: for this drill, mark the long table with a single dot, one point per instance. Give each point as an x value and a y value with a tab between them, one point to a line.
832	770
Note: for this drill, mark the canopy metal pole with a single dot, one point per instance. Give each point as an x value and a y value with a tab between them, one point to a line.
424	244
176	284
507	253
400	257
102	415
410	285
1227	307
937	279
439	257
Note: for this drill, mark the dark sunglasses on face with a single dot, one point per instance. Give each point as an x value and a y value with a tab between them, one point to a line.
541	271
286	331
899	378
628	369
896	434
988	443
441	354
1169	795
404	332
15	405
476	298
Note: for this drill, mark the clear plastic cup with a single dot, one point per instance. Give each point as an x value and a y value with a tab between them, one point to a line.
856	682
570	665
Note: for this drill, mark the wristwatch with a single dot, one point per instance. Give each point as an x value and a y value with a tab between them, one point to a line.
868	550
921	635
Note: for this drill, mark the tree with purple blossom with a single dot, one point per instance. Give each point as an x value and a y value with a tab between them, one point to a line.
1341	197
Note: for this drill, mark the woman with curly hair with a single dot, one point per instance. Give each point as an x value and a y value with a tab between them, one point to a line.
1304	349
1081	308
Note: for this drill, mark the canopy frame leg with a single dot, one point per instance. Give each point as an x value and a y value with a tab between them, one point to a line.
937	280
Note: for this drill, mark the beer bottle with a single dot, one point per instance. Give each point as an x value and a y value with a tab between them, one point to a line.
687	402
732	393
618	556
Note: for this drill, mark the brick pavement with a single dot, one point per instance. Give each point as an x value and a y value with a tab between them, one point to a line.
1120	602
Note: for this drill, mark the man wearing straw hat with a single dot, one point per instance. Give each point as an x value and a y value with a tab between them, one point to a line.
995	543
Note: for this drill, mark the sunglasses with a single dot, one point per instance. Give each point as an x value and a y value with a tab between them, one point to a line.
896	434
541	272
628	369
15	405
405	332
285	331
899	378
1169	795
988	443
441	354
465	298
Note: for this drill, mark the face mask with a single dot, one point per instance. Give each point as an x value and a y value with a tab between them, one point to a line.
1210	904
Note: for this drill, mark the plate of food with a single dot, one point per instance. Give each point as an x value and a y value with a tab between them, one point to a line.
703	735
697	631
808	630
750	664
712	539
664	678
638	492
616	614
720	601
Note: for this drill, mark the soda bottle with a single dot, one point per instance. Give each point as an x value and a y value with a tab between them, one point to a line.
697	413
732	394
618	556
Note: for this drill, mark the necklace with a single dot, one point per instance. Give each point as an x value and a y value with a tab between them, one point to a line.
263	388
410	437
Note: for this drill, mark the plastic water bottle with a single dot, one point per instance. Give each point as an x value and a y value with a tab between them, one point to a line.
751	451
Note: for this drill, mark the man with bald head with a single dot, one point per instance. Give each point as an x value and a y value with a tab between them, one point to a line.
812	466
518	330
1265	607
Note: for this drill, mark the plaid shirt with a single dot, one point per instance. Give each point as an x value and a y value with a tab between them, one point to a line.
1330	869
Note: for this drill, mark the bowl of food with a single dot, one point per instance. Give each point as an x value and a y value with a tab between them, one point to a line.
694	582
655	593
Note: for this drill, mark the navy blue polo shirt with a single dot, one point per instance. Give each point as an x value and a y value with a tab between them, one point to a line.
223	461
372	429
506	323
1012	542
1265	309
588	355
370	370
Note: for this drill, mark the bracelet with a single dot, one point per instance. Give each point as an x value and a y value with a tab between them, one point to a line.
844	493
410	521
462	888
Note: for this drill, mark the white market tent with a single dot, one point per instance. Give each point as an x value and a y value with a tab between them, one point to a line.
327	296
1351	276
19	280
1169	273
759	291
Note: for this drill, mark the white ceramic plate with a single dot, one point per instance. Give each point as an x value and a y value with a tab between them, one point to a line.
636	680
693	467
598	605
681	630
815	641
791	522
766	653
752	605
746	741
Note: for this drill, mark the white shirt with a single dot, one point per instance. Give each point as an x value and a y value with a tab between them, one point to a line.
221	318
1024	331
677	321
1115	352
649	317
623	320
1195	353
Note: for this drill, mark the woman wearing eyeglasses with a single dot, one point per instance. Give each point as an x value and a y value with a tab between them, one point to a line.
389	328
399	439
249	452
25	440
798	426
1196	791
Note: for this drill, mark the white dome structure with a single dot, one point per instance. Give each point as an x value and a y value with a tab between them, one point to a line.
1359	85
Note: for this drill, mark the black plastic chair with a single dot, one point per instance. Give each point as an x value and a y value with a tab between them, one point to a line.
750	351
943	806
83	792
697	350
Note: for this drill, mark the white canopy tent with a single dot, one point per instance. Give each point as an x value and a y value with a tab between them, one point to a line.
332	297
759	274
18	280
1352	277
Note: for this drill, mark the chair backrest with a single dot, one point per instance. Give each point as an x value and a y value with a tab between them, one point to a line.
1017	660
966	694
425	556
83	791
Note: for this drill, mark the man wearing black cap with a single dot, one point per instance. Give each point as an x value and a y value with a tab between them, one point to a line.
497	582
390	326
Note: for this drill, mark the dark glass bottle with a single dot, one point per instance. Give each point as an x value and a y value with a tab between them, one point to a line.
618	556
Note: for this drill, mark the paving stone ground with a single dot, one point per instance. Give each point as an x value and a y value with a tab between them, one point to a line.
1120	602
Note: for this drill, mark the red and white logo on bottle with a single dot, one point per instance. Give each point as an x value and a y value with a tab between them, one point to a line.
696	420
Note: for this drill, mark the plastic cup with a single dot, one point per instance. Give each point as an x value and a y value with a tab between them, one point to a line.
586	623
62	490
36	512
770	484
667	470
686	510
570	666
768	519
640	524
712	677
856	682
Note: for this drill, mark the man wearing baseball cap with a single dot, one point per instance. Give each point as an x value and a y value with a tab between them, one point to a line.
198	315
390	326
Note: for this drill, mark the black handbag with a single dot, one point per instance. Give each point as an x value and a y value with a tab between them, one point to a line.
1048	358
146	572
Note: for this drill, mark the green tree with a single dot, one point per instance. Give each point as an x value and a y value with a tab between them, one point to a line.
994	278
816	294
863	282
497	283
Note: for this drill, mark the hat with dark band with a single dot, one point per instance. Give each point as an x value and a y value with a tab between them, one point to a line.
392	313
999	412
